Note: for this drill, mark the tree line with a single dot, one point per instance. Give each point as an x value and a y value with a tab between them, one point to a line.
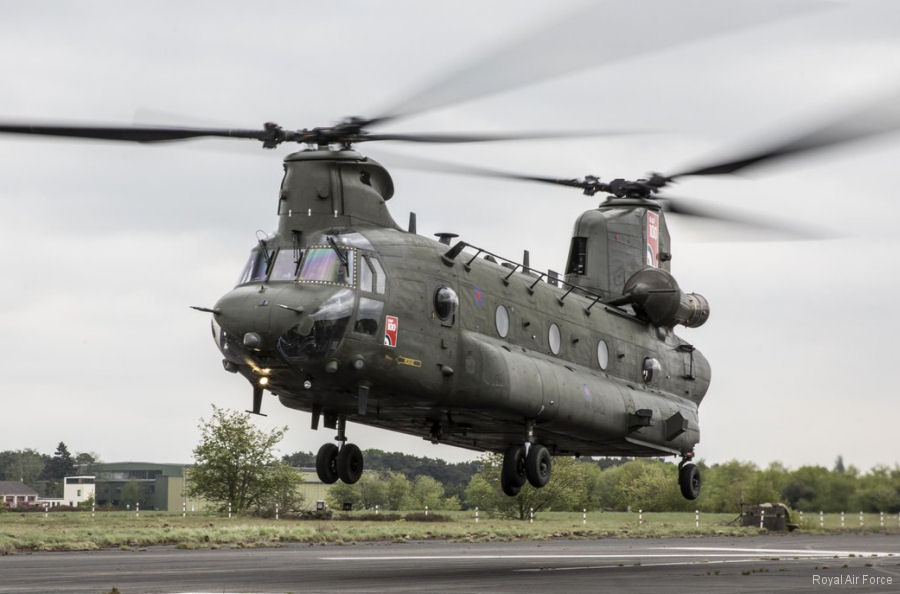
618	484
42	472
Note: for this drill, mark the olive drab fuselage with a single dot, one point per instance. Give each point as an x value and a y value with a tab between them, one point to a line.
344	314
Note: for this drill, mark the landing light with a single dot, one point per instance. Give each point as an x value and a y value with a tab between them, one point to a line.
263	381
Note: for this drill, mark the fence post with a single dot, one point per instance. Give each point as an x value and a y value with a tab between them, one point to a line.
762	518
821	519
476	514
842	520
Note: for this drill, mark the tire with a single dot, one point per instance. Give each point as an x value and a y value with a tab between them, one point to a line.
538	465
326	463
511	489
689	480
513	472
350	463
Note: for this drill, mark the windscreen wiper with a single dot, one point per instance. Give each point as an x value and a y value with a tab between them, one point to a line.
340	254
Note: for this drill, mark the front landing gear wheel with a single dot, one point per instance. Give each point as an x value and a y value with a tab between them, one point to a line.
326	463
537	465
689	480
350	463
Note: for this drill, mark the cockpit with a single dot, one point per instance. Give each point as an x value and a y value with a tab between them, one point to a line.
345	290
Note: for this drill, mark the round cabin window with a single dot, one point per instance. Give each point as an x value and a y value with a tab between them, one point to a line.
445	303
602	354
554	337
651	369
501	320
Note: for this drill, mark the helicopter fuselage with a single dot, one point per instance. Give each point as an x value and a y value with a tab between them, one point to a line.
367	323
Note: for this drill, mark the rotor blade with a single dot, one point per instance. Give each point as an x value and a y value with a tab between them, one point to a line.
128	133
690	208
418	163
450	137
596	34
873	119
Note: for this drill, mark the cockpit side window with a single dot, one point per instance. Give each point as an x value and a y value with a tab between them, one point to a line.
380	279
257	267
285	266
366	275
328	265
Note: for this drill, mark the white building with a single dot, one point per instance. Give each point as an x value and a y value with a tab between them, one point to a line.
77	489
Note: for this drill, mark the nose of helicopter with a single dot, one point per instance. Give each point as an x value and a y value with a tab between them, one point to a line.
255	319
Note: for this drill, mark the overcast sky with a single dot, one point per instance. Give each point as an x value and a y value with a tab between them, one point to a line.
104	246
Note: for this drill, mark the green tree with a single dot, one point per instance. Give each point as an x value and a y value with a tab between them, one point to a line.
86	458
398	490
235	464
22	465
341	493
131	494
60	465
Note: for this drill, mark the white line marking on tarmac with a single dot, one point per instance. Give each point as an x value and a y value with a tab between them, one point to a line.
620	565
782	551
709	552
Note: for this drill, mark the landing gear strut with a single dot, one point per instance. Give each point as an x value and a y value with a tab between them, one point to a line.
689	479
344	463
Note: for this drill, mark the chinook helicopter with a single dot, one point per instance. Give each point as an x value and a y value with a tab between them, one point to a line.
347	315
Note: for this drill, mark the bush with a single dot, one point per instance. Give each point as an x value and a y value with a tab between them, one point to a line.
371	517
422	517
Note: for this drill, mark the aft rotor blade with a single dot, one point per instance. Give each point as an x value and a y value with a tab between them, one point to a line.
597	34
873	119
129	133
689	208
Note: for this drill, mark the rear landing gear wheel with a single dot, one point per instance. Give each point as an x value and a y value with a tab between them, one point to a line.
511	489
512	476
350	463
538	465
326	463
689	480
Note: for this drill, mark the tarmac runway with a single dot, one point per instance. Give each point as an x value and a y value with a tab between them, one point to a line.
774	563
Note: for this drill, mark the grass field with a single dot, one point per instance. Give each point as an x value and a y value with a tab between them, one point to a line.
80	531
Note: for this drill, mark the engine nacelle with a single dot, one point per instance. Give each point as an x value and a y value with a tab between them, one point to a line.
655	296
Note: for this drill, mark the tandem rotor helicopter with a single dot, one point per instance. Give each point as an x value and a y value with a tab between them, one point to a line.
345	314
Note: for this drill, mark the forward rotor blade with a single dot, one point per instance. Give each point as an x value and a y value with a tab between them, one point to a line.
874	119
451	138
597	34
128	133
418	163
689	208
